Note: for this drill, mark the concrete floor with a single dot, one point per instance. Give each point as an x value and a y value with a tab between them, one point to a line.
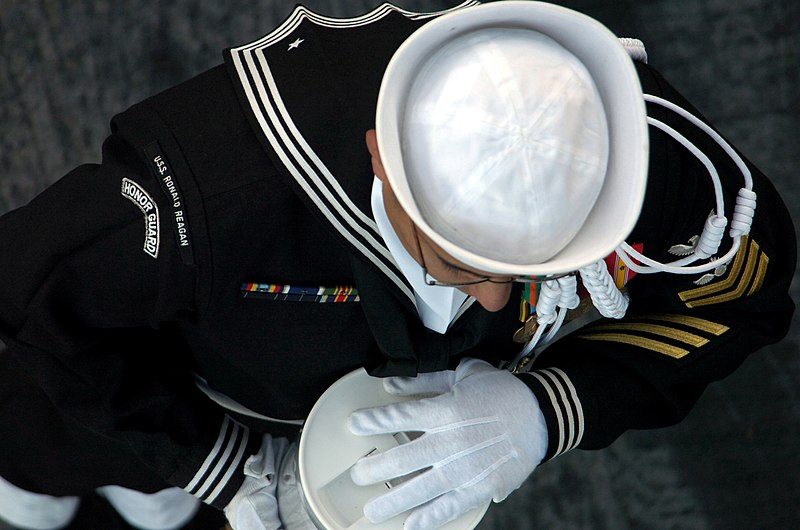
67	65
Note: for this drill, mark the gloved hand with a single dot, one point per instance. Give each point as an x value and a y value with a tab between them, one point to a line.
255	505
484	433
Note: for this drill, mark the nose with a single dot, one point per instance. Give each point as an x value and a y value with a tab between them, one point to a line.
492	296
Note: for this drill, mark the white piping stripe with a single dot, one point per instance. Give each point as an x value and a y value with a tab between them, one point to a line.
300	142
570	419
212	479
556	408
278	33
299	177
380	12
577	404
231	469
301	13
211	456
293	145
361	20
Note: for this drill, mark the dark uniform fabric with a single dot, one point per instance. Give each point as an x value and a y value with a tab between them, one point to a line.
679	336
124	286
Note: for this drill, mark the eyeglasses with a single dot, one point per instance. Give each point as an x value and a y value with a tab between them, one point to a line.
430	280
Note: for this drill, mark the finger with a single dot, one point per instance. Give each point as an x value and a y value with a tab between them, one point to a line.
392	418
442	510
406	496
471	366
399	461
444	449
433	383
416	415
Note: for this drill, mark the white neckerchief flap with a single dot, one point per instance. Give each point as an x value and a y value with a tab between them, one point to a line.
437	305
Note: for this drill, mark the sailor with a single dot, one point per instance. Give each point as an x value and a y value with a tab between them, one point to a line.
497	209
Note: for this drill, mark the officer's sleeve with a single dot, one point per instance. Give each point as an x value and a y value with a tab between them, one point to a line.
681	332
94	288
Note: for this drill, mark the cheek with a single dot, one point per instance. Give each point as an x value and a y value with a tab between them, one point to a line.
492	297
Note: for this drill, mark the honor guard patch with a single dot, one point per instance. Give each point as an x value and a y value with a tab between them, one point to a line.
138	196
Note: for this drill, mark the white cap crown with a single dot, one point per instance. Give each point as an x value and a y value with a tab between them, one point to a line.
502	129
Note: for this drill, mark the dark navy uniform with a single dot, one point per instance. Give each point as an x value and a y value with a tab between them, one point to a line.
138	283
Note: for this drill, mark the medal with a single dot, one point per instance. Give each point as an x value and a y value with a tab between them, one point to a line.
527	313
524	334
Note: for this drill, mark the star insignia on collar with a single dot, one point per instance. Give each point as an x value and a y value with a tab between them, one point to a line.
296	44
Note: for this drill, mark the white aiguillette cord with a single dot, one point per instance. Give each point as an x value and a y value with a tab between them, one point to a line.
714	230
559	296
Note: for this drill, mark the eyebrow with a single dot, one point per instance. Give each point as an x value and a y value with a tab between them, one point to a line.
453	265
447	262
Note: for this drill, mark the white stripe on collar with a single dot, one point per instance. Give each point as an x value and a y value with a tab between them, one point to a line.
304	165
302	13
307	169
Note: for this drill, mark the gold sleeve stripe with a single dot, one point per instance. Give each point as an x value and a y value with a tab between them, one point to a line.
683	336
728	282
763	263
750	265
692	322
752	259
641	342
628	332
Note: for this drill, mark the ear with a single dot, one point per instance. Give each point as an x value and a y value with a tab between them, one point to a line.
372	147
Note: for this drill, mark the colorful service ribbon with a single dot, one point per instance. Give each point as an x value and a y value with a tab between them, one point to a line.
300	293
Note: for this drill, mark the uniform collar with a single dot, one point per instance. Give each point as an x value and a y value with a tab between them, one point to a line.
437	306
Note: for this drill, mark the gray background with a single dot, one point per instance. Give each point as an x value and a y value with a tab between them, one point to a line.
66	66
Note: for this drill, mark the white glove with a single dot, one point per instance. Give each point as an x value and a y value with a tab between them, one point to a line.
290	501
484	433
255	505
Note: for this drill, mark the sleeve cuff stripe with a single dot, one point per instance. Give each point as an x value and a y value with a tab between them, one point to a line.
556	408
211	456
565	402
567	408
224	457
231	469
575	403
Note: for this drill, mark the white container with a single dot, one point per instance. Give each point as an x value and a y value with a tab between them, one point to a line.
328	450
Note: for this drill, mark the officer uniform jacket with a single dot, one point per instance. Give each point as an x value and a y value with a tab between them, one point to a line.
132	281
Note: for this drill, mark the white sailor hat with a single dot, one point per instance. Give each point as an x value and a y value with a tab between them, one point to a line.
514	135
